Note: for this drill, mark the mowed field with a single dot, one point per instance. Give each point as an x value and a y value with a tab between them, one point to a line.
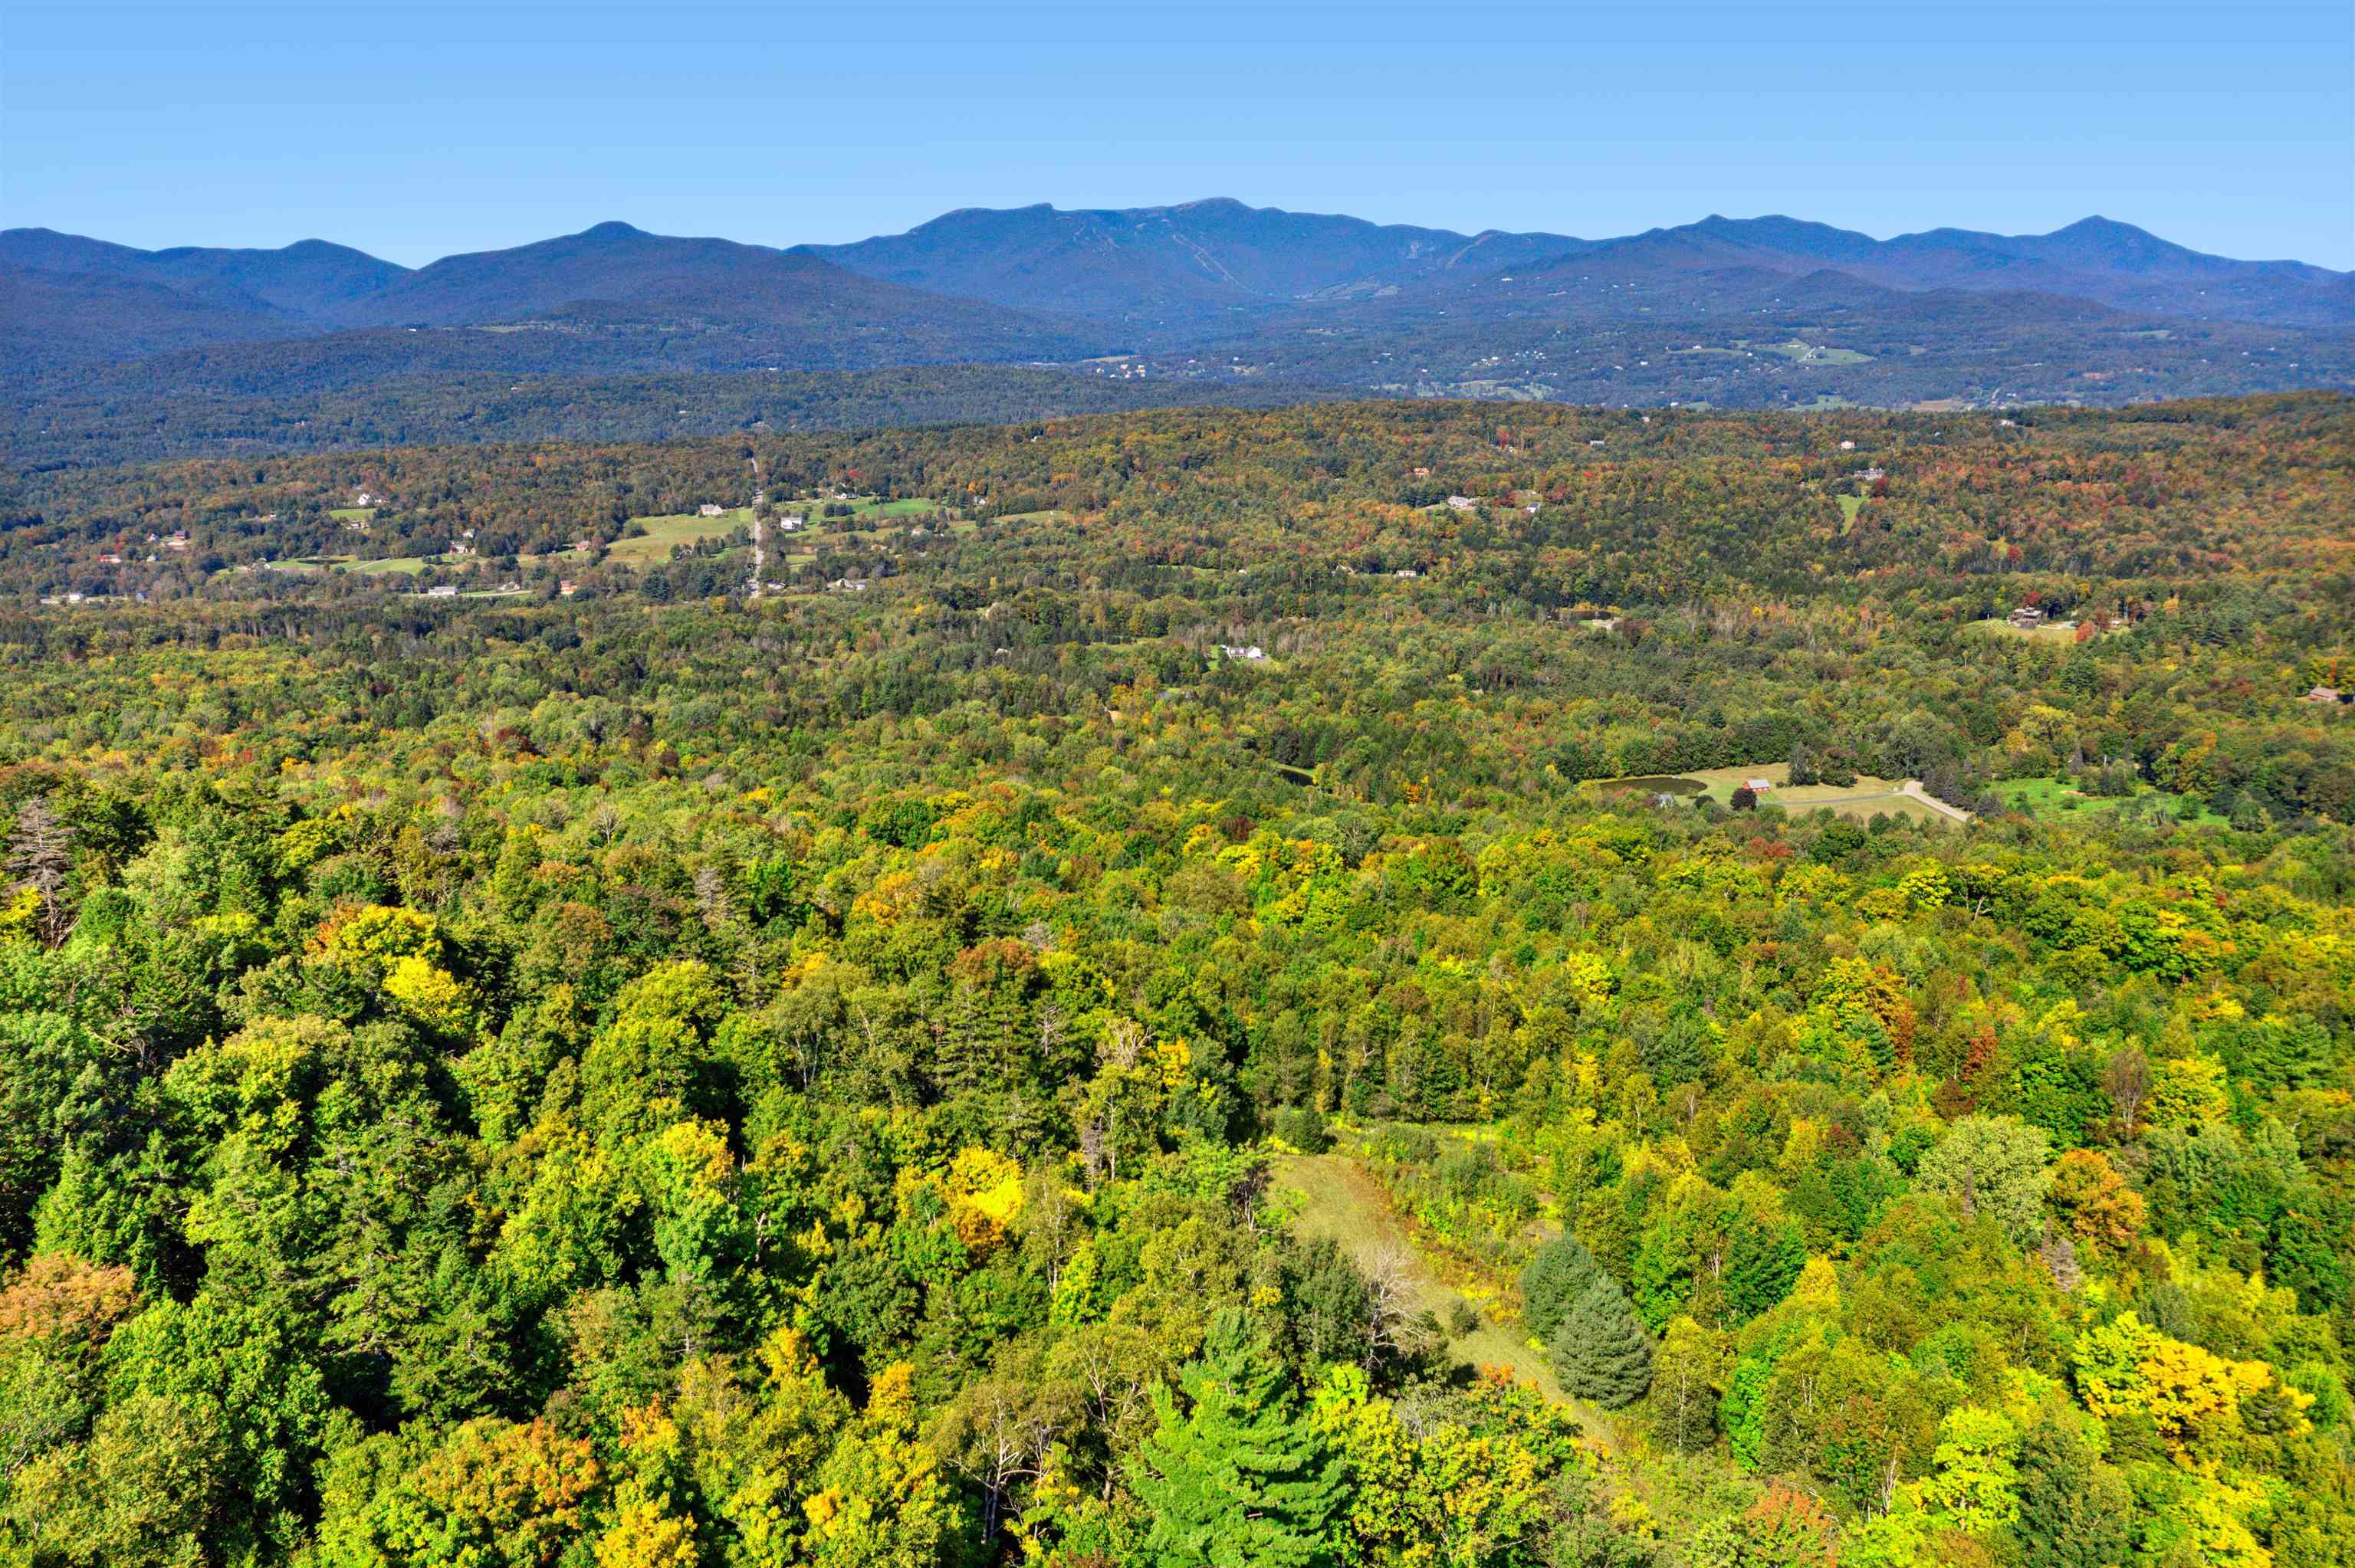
664	533
2051	798
1861	800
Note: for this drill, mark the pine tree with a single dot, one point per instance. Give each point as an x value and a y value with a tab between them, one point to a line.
1558	1274
2074	1510
1241	1477
1601	1350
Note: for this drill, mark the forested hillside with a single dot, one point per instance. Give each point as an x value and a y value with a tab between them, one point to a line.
1817	953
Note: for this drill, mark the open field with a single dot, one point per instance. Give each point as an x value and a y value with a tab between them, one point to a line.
405	565
351	513
1849	506
1804	352
664	533
2051	798
1861	800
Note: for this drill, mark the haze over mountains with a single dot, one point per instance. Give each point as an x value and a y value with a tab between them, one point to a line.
1743	311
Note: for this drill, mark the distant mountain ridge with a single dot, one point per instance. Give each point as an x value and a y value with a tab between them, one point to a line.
1213	290
1169	265
738	302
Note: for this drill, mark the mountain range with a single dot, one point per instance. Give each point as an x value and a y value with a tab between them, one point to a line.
1738	310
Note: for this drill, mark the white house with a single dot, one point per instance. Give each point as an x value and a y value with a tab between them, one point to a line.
1232	651
707	510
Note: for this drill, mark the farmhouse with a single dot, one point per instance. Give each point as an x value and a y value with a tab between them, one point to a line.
443	591
2028	617
2331	695
1233	651
1463	503
1758	785
708	510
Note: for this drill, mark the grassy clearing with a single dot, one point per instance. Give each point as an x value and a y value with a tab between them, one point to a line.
352	514
1800	352
2051	798
1339	1200
664	533
1849	506
403	565
1859	801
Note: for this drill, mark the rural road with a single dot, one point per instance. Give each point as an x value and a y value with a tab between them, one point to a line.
1912	787
752	588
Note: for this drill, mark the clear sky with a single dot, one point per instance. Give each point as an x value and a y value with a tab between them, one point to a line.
413	130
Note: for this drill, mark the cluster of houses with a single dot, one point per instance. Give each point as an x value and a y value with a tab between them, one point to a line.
1253	651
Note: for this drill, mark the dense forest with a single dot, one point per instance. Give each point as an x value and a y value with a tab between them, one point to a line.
1121	1012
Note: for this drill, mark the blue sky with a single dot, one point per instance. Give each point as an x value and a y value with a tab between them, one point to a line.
420	130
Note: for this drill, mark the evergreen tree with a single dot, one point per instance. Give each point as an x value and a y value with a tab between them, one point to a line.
1761	1266
1557	1275
2074	1510
1241	1477
1601	1350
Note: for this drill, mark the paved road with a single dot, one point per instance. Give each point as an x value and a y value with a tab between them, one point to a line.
1912	787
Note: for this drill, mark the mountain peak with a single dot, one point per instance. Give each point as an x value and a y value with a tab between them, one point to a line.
615	229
